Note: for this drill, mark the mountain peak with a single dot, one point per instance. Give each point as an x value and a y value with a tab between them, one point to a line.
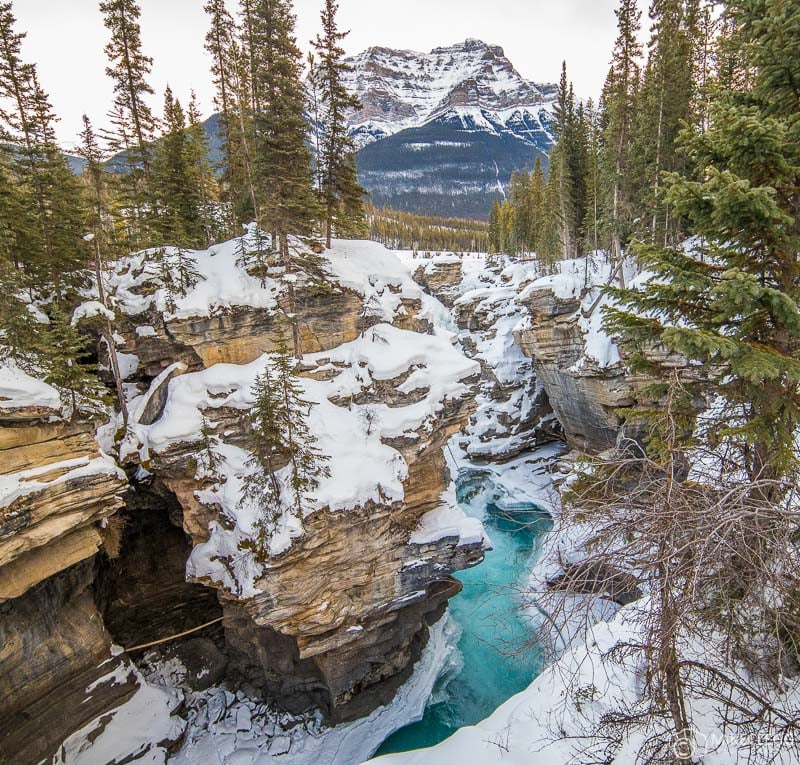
470	45
400	89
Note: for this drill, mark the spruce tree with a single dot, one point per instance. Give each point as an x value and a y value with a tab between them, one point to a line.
280	439
731	305
307	463
129	69
101	240
64	361
342	196
202	175
494	227
133	125
619	104
48	234
665	103
518	198
266	445
282	163
235	117
536	190
175	182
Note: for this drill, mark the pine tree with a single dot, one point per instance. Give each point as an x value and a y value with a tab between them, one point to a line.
307	463
592	191
282	164
342	196
177	185
665	103
733	307
64	361
129	69
235	121
561	162
101	240
280	437
133	123
536	190
550	244
49	233
266	445
495	234
619	104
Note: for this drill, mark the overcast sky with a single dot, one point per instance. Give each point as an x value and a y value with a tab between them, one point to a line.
66	39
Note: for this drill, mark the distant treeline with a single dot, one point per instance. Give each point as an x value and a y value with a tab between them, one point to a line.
408	231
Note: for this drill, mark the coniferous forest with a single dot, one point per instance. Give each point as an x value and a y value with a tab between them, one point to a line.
161	189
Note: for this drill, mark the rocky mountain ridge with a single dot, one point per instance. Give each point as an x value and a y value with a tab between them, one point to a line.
472	81
441	132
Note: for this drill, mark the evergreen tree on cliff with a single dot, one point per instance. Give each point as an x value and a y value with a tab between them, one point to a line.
46	205
732	304
102	244
666	102
342	196
133	121
280	439
282	162
619	101
235	120
176	185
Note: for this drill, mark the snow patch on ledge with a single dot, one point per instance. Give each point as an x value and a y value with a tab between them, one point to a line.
18	389
448	520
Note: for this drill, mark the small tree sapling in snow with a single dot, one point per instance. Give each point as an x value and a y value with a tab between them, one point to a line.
255	253
285	462
207	459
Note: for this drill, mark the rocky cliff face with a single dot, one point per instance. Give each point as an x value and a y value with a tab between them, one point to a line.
334	613
581	368
513	414
584	395
58	494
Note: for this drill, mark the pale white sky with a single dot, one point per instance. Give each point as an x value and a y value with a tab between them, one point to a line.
66	39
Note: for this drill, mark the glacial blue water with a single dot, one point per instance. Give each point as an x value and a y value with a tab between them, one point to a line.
495	661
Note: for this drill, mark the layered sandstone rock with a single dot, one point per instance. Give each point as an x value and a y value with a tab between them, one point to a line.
337	620
57	491
441	277
585	396
240	334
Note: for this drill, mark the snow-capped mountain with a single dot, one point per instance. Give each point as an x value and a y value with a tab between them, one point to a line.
471	81
441	132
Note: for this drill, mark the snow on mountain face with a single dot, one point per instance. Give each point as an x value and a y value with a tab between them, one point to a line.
441	132
473	81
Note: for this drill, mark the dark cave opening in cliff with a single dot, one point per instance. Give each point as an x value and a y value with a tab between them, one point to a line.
143	592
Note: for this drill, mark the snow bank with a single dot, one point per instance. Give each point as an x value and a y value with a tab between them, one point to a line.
246	734
138	730
89	310
18	389
366	267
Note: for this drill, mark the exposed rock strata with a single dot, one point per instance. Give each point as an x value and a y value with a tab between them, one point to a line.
340	618
585	397
60	489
